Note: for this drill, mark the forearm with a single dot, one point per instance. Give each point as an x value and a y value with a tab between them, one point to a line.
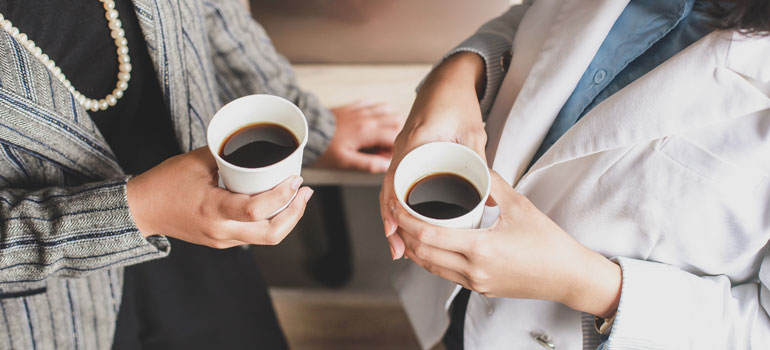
68	232
492	42
463	71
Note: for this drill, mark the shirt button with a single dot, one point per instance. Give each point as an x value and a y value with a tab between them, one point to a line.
599	76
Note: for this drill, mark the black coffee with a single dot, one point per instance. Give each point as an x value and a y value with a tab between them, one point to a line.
443	196
258	145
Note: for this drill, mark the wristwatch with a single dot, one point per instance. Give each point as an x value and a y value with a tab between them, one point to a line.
603	325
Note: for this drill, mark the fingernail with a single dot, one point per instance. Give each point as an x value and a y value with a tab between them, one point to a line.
389	228
392	253
296	182
308	195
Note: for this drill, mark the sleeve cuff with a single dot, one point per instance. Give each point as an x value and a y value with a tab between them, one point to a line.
321	129
663	307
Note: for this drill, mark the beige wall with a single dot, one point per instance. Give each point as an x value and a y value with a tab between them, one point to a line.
371	31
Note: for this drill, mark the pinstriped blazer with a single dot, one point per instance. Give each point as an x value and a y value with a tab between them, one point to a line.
65	227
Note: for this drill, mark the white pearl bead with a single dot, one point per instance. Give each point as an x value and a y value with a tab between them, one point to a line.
103	104
87	103
109	5
122	86
117	93
111	14
22	38
67	83
121	42
56	70
111	100
114	24
44	58
118	33
124	59
1	18
7	25
81	99
50	64
94	106
125	67
123	50
37	52
123	76
14	32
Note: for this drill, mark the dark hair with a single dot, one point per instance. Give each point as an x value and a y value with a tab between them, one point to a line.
746	16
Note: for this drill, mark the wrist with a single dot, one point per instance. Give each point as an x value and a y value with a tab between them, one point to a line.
595	285
136	206
462	70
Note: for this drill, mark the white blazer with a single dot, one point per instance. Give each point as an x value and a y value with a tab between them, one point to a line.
669	177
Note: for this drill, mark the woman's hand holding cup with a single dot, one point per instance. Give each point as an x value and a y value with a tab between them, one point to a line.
262	201
446	109
180	198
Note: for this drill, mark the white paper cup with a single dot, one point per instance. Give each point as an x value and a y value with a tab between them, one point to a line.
249	110
443	157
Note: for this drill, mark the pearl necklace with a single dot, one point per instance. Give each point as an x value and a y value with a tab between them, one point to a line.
124	61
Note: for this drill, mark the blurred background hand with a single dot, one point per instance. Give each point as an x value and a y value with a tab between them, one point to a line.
364	137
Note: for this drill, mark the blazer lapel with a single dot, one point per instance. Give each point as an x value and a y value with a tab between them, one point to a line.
688	91
162	24
577	32
42	117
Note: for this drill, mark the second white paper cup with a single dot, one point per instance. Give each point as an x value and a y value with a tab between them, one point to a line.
443	157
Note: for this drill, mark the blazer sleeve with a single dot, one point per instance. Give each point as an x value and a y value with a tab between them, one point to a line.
246	62
492	42
68	231
663	307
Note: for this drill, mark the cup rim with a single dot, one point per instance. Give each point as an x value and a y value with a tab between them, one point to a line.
457	146
300	147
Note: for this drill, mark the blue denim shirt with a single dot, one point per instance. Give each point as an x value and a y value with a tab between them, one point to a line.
647	33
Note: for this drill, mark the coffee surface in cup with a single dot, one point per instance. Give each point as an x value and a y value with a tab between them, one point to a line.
443	196
258	145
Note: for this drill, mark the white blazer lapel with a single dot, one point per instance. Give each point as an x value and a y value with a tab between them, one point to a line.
577	33
687	91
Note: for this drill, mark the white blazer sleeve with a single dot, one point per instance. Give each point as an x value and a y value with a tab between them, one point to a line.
663	307
491	42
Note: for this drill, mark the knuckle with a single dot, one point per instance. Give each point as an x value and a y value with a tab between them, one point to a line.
371	124
478	287
429	267
422	253
204	211
478	248
287	192
251	212
273	237
218	245
214	234
477	275
424	234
